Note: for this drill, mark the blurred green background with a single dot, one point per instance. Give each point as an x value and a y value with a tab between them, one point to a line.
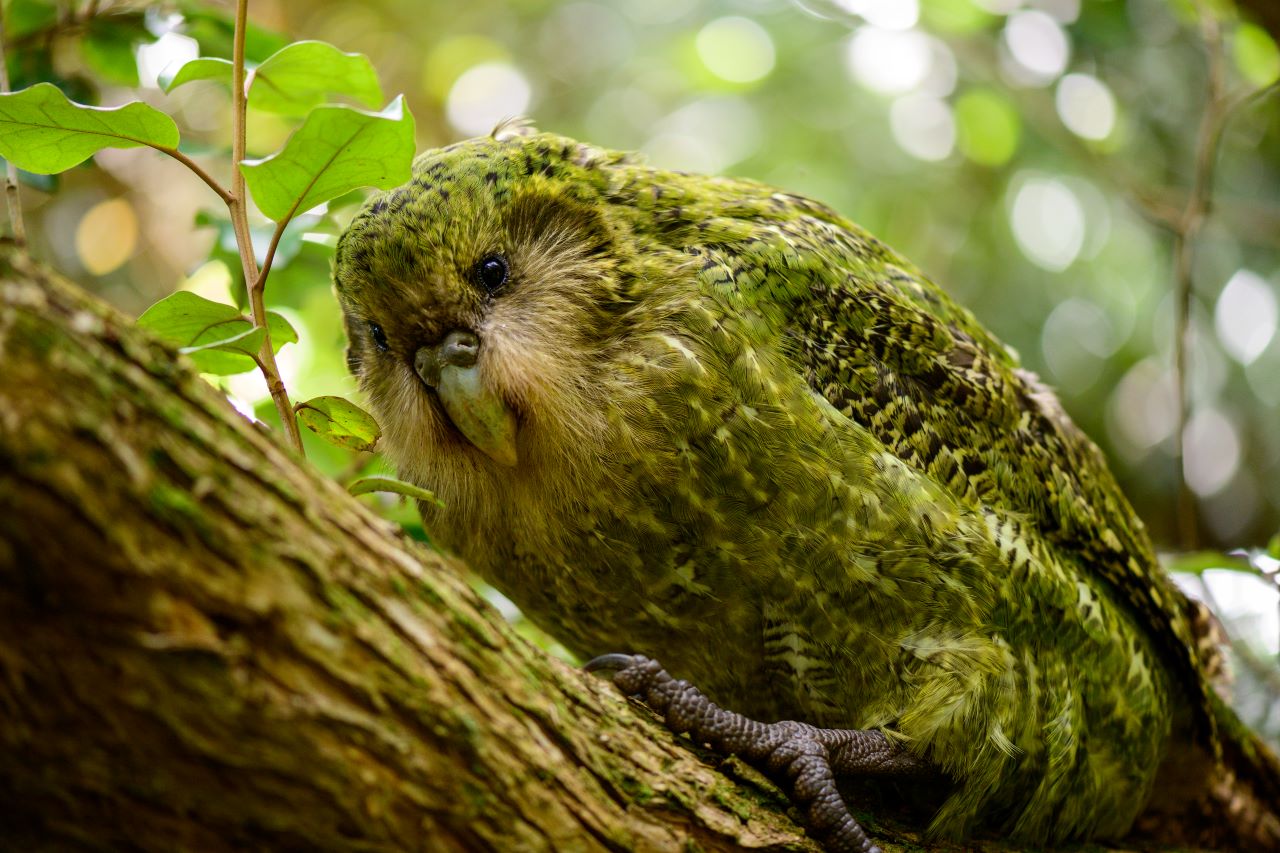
1021	152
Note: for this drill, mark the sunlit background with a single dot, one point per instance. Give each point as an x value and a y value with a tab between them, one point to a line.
1019	151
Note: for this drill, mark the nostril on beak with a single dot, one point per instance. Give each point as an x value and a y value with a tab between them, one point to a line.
459	348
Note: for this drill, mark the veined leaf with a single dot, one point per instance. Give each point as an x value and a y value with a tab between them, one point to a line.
339	421
201	68
336	150
217	337
306	73
42	131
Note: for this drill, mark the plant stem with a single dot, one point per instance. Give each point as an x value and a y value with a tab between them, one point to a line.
1186	230
222	191
237	205
260	282
12	200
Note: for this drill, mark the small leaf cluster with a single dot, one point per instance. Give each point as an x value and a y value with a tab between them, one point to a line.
345	139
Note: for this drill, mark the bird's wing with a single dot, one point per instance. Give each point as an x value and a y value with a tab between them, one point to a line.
891	351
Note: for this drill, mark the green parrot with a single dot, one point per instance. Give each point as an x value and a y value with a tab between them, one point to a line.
718	425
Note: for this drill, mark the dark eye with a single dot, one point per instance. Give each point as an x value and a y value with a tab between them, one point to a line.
379	336
492	272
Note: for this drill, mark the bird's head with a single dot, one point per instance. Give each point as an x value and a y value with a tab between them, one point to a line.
478	299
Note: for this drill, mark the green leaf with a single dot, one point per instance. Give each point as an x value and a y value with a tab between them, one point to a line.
366	485
24	17
1256	55
215	353
282	331
217	337
1198	562
201	68
306	73
336	150
108	47
339	421
44	132
290	241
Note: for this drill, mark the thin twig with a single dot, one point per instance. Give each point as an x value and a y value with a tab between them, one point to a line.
261	281
12	199
239	214
244	240
1198	207
222	191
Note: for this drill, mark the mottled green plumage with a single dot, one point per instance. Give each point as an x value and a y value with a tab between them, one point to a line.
755	443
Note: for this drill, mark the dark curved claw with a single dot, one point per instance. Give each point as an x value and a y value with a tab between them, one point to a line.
609	663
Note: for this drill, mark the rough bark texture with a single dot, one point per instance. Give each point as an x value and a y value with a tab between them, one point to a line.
206	645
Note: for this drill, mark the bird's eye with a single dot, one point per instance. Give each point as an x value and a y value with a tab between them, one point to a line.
379	336
492	272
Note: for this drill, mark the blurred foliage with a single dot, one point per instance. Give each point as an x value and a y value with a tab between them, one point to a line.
1021	152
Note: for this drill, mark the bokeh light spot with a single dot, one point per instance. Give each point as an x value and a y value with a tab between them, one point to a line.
107	236
1048	222
485	95
171	49
1249	598
987	127
923	126
708	135
1076	339
736	49
212	280
451	57
1038	44
1245	316
940	81
1256	54
1086	106
1062	11
1143	409
887	14
582	38
891	62
1211	451
998	7
658	11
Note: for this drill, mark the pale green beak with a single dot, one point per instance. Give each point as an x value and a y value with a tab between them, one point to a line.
479	414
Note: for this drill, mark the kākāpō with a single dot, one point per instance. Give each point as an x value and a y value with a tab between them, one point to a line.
719	425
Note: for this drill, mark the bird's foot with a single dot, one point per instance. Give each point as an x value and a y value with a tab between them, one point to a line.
803	758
